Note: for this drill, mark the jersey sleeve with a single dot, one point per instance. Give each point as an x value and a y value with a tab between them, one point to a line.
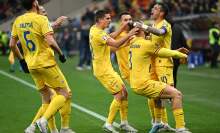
14	30
152	48
166	26
103	37
46	26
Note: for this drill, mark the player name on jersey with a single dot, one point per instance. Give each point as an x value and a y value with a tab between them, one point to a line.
135	46
26	25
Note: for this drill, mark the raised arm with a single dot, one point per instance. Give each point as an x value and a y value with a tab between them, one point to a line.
164	52
117	43
58	22
117	32
158	32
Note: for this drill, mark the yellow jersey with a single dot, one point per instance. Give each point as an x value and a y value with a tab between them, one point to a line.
30	28
100	51
163	41
140	54
122	57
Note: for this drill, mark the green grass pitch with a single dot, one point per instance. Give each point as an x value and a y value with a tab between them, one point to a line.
19	103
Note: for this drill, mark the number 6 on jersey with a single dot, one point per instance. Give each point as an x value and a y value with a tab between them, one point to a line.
29	43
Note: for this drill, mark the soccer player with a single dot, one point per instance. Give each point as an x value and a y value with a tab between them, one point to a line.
65	111
162	68
123	51
141	51
100	43
36	37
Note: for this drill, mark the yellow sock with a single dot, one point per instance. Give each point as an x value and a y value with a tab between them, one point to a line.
115	106
124	110
151	106
65	112
52	123
40	112
179	118
164	115
158	114
56	103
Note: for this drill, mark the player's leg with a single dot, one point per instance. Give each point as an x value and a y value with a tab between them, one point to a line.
65	111
42	109
152	89
124	126
53	78
176	96
56	103
165	75
109	81
114	108
151	106
46	95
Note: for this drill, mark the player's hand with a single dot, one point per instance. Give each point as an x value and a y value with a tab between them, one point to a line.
133	31
24	66
137	24
62	58
183	61
60	20
123	25
140	25
183	50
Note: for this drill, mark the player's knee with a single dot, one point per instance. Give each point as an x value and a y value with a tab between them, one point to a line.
46	94
118	96
124	93
178	94
62	91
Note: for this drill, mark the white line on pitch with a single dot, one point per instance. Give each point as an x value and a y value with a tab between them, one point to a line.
197	74
89	112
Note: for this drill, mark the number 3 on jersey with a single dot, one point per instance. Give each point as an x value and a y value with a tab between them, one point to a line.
29	43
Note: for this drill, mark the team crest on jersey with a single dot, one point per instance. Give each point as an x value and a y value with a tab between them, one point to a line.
104	37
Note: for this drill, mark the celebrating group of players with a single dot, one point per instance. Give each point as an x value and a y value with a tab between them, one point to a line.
144	58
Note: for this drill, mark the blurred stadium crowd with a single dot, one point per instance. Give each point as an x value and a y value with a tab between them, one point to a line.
8	8
194	16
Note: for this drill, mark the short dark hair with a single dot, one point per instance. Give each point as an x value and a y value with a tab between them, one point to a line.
124	13
100	14
164	8
27	4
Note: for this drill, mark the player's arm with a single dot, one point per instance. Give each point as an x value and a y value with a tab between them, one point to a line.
164	52
58	22
53	44
155	31
117	32
49	38
14	47
117	43
17	53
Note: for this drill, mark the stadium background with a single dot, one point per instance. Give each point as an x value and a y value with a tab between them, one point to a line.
199	85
